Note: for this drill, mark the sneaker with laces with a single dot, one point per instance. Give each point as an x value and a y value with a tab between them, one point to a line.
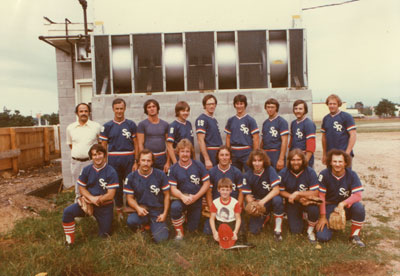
278	236
357	241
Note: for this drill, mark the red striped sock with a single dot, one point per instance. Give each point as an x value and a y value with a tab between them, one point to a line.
69	230
356	227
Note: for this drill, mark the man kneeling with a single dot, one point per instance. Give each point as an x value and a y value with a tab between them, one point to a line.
340	188
147	191
97	185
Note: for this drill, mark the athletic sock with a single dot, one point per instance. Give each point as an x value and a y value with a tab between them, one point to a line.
278	223
355	228
178	225
69	230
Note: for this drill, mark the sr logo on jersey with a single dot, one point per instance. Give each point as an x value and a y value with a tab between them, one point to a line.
194	179
320	177
273	132
154	189
302	188
126	133
244	129
266	186
200	123
338	127
299	133
344	193
103	183
233	187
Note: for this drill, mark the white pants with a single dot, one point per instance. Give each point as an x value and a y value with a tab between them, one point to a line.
76	168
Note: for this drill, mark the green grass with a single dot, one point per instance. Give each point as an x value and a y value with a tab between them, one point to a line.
36	245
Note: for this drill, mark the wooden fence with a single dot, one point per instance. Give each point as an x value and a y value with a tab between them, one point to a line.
24	147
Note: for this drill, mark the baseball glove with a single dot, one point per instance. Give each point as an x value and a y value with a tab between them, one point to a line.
305	201
254	209
86	206
337	219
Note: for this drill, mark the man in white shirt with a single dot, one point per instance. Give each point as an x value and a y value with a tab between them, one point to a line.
81	135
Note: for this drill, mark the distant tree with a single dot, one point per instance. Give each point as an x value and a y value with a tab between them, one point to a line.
367	110
385	108
53	118
8	119
359	106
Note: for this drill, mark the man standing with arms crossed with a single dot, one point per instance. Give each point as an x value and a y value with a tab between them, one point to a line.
119	136
275	132
338	129
208	135
81	135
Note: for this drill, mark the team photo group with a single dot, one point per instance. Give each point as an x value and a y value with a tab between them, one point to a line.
256	176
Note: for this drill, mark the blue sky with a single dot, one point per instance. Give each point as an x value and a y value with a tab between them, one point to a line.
353	49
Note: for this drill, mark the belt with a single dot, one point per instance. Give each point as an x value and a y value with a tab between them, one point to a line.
240	147
271	150
81	159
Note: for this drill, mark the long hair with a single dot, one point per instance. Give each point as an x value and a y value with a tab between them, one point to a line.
299	153
264	157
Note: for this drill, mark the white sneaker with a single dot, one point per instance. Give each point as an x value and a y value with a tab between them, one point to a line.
179	235
311	237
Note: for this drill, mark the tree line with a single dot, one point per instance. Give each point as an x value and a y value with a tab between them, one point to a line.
14	118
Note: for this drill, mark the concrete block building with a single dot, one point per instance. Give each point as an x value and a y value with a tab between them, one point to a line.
95	68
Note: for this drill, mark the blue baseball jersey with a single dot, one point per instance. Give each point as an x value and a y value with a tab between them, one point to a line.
148	189
272	131
301	131
336	128
98	181
154	135
119	135
259	185
188	179
338	189
233	173
305	180
241	130
209	127
178	131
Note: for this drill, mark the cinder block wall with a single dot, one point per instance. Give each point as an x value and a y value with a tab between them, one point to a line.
102	110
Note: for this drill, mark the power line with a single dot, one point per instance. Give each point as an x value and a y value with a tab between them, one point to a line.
329	5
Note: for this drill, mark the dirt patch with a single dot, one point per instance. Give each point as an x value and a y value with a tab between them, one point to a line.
15	204
354	268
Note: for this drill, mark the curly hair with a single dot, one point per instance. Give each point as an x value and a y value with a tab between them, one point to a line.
331	153
264	157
